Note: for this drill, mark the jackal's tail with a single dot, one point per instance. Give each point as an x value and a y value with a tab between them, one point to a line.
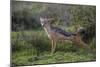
80	30
78	38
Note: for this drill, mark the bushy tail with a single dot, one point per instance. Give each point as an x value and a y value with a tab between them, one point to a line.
80	30
78	38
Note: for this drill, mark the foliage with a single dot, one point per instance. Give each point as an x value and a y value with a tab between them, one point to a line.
26	17
31	46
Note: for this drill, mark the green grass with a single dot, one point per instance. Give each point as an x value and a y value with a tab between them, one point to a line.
33	47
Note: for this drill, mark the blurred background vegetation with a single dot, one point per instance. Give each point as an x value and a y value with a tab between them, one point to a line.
29	42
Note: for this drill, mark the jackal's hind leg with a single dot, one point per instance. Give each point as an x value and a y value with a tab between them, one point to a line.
80	42
83	44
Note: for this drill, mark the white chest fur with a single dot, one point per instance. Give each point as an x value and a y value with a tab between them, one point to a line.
48	32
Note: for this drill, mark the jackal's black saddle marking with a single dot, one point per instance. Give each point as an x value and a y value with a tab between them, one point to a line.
68	34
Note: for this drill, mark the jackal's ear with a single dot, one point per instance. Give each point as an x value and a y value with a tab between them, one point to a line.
41	18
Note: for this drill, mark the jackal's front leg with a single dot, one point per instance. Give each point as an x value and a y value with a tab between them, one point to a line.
53	47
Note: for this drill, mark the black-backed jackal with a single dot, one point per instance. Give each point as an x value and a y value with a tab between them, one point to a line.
55	34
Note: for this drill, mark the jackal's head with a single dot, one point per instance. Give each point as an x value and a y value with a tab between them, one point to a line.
45	21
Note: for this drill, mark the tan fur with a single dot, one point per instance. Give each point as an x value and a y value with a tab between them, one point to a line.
54	36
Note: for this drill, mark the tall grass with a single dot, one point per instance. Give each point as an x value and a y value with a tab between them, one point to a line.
33	47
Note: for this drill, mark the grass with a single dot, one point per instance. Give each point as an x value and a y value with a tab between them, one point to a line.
33	47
